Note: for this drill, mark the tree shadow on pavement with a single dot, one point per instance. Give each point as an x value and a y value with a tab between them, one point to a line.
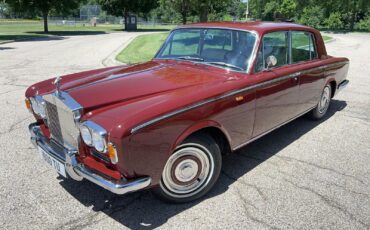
143	30
68	33
141	210
6	48
26	37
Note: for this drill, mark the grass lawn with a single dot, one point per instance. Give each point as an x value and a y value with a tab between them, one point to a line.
326	38
15	30
144	47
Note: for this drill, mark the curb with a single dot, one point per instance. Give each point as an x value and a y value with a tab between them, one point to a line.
330	41
111	59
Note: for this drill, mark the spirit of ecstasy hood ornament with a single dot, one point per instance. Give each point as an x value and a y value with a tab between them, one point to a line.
57	85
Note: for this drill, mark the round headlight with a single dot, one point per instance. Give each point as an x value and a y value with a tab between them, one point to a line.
34	105
99	142
38	107
86	135
42	109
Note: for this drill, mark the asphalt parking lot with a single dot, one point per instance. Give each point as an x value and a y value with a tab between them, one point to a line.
305	175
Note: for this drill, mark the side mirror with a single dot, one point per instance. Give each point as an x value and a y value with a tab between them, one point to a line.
271	61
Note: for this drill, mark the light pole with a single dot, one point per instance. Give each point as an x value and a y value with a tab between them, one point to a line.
247	10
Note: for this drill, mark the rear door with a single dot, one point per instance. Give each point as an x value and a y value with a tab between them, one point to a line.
305	60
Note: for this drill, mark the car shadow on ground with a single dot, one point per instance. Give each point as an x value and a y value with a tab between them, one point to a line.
142	210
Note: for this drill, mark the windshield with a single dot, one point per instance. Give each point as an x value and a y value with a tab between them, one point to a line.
226	48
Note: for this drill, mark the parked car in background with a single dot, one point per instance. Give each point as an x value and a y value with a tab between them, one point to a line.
211	89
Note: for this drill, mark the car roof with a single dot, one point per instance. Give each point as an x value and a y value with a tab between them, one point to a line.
258	26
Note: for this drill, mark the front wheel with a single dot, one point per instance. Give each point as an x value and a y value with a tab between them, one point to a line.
191	171
322	107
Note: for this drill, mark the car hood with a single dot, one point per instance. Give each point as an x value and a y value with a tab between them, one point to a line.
137	82
104	87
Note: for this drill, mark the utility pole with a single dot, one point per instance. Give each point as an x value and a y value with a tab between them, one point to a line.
247	10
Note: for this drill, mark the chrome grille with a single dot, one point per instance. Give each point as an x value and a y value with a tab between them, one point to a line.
61	118
53	122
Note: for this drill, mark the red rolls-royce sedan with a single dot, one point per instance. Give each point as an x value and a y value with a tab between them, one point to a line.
211	89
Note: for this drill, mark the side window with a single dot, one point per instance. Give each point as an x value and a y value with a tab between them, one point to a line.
275	44
303	47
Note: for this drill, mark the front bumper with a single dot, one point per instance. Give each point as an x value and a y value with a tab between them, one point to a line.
78	171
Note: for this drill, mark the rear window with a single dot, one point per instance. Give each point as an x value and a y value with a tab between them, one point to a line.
303	47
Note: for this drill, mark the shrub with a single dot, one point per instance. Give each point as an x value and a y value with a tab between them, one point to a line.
312	16
364	24
334	22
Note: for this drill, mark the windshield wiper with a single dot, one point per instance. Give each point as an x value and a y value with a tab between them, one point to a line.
190	58
225	65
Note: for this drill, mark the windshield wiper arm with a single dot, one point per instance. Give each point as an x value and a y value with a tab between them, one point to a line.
225	65
190	58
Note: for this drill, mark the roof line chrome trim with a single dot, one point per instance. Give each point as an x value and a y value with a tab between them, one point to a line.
231	93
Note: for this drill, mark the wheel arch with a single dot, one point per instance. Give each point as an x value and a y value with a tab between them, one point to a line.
333	84
211	128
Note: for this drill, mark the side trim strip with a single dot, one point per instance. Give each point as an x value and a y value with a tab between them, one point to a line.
269	131
231	93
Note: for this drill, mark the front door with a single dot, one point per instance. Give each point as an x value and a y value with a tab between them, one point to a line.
278	96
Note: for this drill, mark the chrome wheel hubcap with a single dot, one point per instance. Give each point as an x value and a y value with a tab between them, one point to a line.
187	171
325	100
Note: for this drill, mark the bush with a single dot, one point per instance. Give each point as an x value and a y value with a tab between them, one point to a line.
364	24
312	16
334	22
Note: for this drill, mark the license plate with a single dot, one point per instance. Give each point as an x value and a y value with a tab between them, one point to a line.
54	163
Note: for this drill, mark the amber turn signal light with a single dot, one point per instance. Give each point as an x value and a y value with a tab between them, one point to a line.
239	98
112	153
28	104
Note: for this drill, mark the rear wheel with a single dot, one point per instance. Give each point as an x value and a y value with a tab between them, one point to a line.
191	171
322	107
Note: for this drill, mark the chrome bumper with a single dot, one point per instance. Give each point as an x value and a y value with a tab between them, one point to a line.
342	85
78	171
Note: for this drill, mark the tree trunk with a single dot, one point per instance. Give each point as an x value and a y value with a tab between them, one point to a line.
203	14
352	22
45	17
184	11
184	19
203	17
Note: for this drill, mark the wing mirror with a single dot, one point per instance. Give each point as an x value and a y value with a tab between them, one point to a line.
271	61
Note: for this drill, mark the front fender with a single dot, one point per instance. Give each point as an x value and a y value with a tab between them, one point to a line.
199	126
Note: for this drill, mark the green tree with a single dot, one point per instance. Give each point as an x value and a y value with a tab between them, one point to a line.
183	7
334	21
312	16
43	7
125	7
354	8
270	11
287	9
364	24
204	7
